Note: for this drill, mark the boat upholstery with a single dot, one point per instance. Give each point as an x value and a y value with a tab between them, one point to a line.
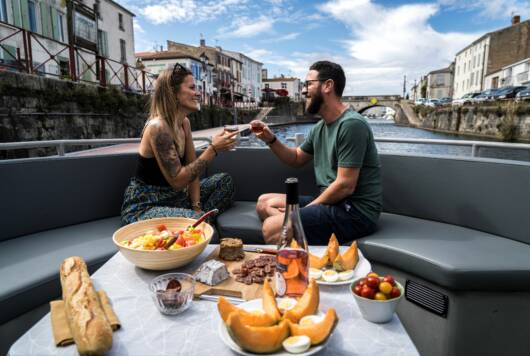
459	223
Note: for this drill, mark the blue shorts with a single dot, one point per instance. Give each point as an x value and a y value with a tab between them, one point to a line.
321	220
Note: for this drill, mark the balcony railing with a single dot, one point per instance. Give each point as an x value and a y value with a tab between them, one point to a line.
29	52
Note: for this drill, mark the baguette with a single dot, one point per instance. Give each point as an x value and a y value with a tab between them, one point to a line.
90	328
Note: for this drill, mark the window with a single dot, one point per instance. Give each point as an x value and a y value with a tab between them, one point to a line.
472	77
123	55
284	85
17	16
57	24
476	79
120	21
32	16
3	11
103	46
84	27
8	54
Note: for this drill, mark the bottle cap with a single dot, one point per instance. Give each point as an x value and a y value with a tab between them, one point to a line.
291	187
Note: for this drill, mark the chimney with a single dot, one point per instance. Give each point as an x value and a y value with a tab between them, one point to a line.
516	19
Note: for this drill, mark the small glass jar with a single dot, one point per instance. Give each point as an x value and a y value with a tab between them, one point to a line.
175	299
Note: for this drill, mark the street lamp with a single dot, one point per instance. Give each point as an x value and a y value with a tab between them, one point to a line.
232	85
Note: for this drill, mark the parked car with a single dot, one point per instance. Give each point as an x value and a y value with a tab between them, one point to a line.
445	100
466	99
508	92
432	103
523	94
486	95
420	101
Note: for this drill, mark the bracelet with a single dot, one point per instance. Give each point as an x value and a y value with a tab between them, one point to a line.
272	141
213	147
196	205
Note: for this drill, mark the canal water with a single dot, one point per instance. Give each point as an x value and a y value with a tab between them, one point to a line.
388	129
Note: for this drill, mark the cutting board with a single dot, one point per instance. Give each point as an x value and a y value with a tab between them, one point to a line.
230	287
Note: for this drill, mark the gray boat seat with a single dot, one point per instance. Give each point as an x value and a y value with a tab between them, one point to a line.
29	265
241	221
452	256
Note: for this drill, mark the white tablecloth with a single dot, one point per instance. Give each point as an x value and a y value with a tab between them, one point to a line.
195	332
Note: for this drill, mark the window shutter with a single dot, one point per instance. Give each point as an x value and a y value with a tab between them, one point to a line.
55	24
24	13
17	21
45	19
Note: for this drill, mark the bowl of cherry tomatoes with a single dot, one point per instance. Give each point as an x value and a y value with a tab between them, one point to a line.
377	296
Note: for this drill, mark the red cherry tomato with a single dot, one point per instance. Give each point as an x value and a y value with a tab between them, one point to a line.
388	278
372	282
367	292
362	282
357	289
395	292
161	227
181	241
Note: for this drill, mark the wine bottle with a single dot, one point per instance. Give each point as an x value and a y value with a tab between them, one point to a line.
292	265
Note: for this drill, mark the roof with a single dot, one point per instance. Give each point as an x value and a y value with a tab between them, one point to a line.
121	7
443	70
489	34
165	55
231	53
280	79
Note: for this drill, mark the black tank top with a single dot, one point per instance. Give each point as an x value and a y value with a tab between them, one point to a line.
149	172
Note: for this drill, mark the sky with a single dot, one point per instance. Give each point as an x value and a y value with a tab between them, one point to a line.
377	42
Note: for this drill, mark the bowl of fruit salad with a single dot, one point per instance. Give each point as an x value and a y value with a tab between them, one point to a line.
377	296
145	243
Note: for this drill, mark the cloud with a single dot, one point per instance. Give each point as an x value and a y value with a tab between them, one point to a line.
288	37
386	43
167	11
245	27
137	27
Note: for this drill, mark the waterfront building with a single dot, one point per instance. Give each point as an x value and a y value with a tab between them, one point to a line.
101	27
440	83
291	86
157	61
514	74
250	78
226	83
488	55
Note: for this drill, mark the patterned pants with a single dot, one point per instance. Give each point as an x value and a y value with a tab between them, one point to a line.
143	201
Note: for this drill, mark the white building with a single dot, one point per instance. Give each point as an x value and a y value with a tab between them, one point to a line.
292	85
440	83
155	62
111	33
512	75
250	78
470	67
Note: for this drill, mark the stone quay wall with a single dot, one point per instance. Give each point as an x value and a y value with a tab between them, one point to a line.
36	108
506	121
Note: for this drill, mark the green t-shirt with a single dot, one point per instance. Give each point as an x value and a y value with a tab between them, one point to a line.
348	142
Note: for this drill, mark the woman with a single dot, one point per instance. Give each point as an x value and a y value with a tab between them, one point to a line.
168	171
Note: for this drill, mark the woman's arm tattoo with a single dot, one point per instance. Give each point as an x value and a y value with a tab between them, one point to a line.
167	153
196	168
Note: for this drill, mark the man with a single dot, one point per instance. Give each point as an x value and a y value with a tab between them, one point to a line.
346	164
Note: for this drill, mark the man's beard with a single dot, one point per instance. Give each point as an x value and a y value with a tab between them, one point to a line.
316	103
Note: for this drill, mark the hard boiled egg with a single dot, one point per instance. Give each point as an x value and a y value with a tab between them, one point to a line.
345	275
330	275
285	304
315	273
297	344
310	320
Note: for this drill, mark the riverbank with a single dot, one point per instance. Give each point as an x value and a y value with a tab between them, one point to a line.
504	121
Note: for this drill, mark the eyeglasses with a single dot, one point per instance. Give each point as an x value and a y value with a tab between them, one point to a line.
307	82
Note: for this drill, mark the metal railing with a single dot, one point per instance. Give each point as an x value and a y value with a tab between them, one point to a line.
60	145
298	139
30	52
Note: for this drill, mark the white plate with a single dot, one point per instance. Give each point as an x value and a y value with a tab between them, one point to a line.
362	268
253	305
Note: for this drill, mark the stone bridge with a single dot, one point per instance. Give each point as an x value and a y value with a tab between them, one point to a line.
404	113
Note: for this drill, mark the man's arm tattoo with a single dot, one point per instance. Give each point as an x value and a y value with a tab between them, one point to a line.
196	168
167	152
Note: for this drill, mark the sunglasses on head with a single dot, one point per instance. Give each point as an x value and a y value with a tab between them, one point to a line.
178	68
